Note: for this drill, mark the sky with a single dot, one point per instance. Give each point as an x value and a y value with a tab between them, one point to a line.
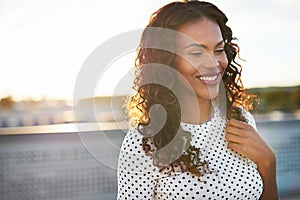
44	43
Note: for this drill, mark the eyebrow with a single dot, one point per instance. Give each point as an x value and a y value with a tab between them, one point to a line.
203	46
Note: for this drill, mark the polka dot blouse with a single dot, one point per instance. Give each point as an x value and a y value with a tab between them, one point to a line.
231	176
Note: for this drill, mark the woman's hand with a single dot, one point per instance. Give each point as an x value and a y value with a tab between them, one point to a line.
244	139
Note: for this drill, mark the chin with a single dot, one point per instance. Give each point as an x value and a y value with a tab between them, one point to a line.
212	96
209	93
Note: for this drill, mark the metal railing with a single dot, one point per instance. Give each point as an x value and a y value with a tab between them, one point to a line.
59	162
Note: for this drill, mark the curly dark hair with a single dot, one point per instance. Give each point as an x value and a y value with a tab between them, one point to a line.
181	154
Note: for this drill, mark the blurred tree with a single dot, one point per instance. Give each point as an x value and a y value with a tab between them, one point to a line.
286	99
7	103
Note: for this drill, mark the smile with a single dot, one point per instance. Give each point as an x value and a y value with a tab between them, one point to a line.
209	78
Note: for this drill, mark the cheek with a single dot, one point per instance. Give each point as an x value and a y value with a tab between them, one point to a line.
223	63
184	67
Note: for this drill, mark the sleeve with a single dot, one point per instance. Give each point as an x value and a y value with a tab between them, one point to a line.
136	173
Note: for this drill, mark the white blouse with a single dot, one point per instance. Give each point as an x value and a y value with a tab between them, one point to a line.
233	176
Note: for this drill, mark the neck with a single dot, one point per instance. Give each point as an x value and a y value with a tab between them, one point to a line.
203	111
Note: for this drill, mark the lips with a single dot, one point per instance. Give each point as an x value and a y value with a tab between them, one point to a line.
210	79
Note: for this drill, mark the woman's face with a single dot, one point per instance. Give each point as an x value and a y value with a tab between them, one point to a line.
201	58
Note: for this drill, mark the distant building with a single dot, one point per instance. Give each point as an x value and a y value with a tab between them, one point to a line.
31	113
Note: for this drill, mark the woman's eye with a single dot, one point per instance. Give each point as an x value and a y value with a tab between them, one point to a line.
219	51
196	53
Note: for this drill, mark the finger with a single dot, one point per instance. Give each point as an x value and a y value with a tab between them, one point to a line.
236	131
240	148
234	138
234	146
237	123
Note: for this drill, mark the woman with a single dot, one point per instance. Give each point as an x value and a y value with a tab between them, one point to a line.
188	142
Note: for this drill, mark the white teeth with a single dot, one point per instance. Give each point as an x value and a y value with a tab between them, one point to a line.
208	78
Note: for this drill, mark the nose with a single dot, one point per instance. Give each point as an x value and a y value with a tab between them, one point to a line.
210	61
